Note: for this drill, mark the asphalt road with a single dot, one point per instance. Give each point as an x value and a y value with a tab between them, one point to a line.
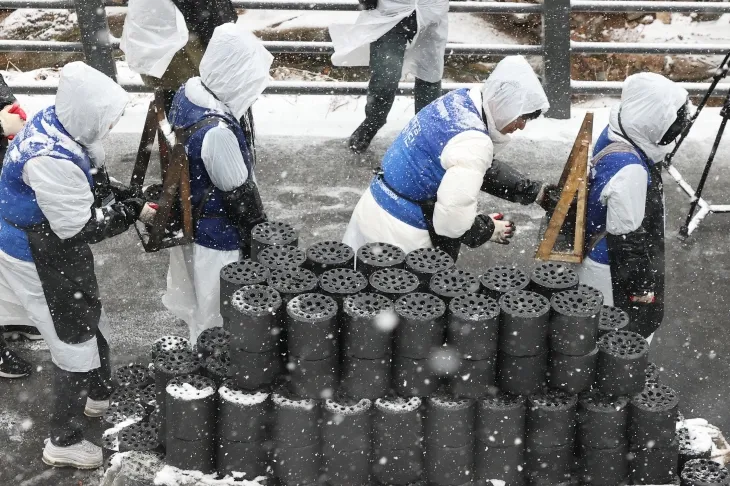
313	184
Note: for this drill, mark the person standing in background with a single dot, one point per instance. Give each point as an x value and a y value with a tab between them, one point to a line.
394	38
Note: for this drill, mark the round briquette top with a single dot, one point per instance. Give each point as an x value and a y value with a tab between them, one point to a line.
190	387
502	401
420	307
229	392
367	304
214	337
342	281
591	292
623	344
596	401
554	276
131	375
428	260
381	255
523	303
256	300
553	400
293	280
281	256
356	407
169	344
398	404
504	279
576	303
612	319
282	401
453	282
449	403
394	280
330	253
246	272
179	362
312	307
704	472
655	398
474	307
274	233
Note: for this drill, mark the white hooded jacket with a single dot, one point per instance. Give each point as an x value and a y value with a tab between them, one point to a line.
511	90
648	107
88	104
235	68
154	30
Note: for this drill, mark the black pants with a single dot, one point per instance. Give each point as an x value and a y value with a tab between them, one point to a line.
386	65
70	391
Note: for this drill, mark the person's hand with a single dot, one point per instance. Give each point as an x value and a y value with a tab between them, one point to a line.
149	211
11	120
647	298
504	229
131	208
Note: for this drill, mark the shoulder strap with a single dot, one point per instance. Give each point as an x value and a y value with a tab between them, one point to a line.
209	120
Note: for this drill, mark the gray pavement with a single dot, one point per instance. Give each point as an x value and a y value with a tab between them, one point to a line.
313	184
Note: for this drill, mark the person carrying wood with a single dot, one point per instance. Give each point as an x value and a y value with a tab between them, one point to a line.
625	210
224	194
426	193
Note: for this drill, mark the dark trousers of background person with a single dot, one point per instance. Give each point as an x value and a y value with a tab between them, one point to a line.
70	392
386	66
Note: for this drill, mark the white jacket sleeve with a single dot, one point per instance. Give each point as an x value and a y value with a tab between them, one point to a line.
63	193
222	158
466	159
625	199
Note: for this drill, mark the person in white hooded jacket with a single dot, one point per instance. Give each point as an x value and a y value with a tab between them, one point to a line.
233	73
426	195
625	211
48	218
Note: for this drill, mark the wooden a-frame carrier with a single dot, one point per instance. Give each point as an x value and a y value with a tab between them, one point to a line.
174	174
573	187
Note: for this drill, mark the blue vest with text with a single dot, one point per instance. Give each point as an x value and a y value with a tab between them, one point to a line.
601	174
43	135
412	165
213	229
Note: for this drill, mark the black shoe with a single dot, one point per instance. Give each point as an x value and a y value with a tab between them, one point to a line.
14	333
13	366
361	138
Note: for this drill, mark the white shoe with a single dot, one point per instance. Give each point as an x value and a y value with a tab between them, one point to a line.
83	455
95	408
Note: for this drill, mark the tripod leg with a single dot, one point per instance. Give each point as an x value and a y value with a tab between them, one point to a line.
725	112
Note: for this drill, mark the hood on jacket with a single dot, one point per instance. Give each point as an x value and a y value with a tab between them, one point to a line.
649	105
235	67
88	103
512	90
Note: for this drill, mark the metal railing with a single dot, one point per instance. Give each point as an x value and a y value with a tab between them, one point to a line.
556	47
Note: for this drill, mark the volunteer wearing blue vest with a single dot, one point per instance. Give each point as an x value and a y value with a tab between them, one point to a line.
431	176
625	215
233	73
47	220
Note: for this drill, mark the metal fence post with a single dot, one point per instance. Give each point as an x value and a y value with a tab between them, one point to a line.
95	36
556	58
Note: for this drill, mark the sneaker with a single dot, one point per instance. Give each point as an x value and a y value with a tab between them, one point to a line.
14	333
360	139
95	408
83	455
13	366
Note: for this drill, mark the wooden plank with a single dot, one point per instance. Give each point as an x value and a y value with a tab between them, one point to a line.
573	182
178	154
144	151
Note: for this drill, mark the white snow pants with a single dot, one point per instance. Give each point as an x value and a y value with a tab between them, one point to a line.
23	303
193	286
370	223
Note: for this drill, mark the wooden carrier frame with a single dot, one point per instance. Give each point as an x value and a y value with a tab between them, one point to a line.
175	177
573	186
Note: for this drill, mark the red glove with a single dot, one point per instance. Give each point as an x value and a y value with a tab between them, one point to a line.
17	110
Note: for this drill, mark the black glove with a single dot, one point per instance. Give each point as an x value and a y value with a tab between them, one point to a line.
244	208
131	208
479	233
507	183
368	4
548	197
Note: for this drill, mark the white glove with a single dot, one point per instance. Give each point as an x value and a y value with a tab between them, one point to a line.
503	229
149	211
11	123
